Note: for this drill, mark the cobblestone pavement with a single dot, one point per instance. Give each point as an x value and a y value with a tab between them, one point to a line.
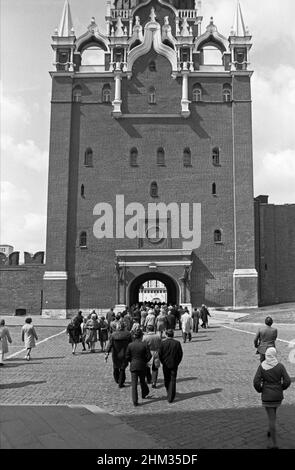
216	405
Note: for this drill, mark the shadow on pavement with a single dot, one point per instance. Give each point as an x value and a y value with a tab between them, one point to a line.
33	359
20	384
180	396
232	428
216	353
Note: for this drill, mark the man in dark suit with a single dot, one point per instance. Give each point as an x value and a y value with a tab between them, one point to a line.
170	354
265	338
138	354
118	343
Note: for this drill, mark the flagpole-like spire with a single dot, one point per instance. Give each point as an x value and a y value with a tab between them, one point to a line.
66	24
239	26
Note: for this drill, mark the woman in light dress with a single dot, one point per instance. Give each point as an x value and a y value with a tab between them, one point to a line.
29	336
5	338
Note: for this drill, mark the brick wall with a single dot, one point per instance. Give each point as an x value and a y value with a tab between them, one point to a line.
275	252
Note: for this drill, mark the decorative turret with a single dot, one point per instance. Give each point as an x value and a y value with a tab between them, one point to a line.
239	42
64	41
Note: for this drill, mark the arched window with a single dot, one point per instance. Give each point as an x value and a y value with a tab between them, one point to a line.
215	156
154	189
152	95
82	190
187	157
133	156
197	93
160	157
83	240
214	189
152	66
88	160
77	94
226	93
106	93
217	236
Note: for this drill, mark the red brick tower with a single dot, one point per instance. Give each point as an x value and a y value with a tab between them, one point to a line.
152	123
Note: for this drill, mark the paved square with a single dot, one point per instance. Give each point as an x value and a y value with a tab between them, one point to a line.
216	405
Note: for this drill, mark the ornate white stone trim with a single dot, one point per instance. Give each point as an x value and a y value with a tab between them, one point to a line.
152	36
245	273
155	264
55	276
159	252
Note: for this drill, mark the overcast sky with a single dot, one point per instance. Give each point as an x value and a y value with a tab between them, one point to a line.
26	58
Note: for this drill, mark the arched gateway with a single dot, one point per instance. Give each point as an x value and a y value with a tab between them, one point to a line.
170	266
170	284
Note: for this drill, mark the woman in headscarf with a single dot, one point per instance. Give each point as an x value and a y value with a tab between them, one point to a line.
270	380
5	338
103	333
74	331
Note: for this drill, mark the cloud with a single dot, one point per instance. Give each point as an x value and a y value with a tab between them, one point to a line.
13	112
11	194
25	153
34	222
274	175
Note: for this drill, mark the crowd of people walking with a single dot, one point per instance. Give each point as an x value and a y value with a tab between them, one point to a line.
143	336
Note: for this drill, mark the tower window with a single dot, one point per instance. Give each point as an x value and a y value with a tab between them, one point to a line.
187	157
160	157
226	93
88	160
82	190
152	95
154	189
77	94
197	93
214	189
152	66
106	94
217	236
83	240
133	156
215	156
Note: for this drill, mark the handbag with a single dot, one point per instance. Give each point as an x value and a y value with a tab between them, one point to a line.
156	359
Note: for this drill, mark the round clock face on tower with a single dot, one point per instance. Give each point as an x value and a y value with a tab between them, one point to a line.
155	234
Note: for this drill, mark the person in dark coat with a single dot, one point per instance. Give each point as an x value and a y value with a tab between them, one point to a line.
118	343
153	340
196	319
265	338
103	332
75	333
170	355
138	354
270	380
171	320
110	316
204	314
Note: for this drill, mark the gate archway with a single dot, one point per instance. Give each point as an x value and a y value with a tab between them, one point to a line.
170	284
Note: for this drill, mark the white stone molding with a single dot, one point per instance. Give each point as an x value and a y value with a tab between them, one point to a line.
156	252
155	264
185	112
55	276
245	273
92	33
152	37
211	32
117	101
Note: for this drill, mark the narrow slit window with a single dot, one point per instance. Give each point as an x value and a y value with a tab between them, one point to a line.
83	240
88	157
197	93
133	156
152	95
214	189
187	157
215	156
226	93
77	94
82	191
106	94
217	236
154	189
152	66
160	157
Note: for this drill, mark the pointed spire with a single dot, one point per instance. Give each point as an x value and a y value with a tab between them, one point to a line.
66	24
239	28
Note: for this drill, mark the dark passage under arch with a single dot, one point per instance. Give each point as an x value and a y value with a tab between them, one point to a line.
170	284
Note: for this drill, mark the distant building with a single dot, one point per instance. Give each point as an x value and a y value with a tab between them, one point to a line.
6	249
